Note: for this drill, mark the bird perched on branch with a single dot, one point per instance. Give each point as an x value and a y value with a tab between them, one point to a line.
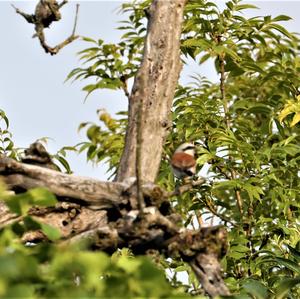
183	161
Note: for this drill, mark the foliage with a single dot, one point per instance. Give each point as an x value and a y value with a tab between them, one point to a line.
246	128
58	271
6	143
291	107
105	142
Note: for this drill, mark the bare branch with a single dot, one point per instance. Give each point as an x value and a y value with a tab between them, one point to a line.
29	18
47	12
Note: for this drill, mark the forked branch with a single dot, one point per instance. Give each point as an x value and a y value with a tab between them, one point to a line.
46	12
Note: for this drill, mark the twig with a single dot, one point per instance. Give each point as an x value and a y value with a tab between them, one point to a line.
76	18
222	88
29	18
223	172
63	3
70	39
239	200
125	87
199	218
214	212
187	187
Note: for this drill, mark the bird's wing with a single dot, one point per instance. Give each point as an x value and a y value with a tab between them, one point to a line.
183	160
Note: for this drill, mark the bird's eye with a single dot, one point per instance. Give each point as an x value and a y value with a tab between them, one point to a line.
189	147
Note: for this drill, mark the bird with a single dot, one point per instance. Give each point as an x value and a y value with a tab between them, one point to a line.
183	161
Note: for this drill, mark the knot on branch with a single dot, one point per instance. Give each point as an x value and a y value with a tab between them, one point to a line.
206	240
36	154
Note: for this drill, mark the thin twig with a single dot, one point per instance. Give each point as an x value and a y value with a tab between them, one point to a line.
223	172
222	88
239	200
76	18
187	187
63	3
222	217
39	28
70	39
125	87
199	218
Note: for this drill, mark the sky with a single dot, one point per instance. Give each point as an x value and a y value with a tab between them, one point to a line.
32	90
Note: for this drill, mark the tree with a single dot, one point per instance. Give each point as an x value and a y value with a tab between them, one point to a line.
246	127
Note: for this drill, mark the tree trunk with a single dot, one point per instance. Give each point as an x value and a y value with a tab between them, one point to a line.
154	87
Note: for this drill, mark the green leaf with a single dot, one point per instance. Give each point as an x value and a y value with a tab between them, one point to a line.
31	224
288	264
254	192
19	204
295	253
281	29
203	44
295	120
256	288
245	6
285	286
129	264
204	158
289	108
281	18
88	39
51	232
253	66
65	163
42	197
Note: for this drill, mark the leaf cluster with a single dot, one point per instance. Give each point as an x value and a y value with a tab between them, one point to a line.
7	146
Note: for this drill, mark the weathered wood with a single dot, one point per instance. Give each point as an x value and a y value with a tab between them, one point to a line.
90	191
207	269
105	215
155	85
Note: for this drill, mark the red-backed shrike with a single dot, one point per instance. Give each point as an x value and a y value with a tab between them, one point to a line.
183	161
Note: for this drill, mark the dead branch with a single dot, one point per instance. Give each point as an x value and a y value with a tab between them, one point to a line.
102	215
187	187
46	12
22	176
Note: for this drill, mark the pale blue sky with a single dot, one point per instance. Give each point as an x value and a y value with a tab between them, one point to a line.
32	92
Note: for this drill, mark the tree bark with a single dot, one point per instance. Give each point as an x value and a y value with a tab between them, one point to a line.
154	85
88	191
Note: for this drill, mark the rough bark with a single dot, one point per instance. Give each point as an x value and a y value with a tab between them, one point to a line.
105	215
154	85
88	191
